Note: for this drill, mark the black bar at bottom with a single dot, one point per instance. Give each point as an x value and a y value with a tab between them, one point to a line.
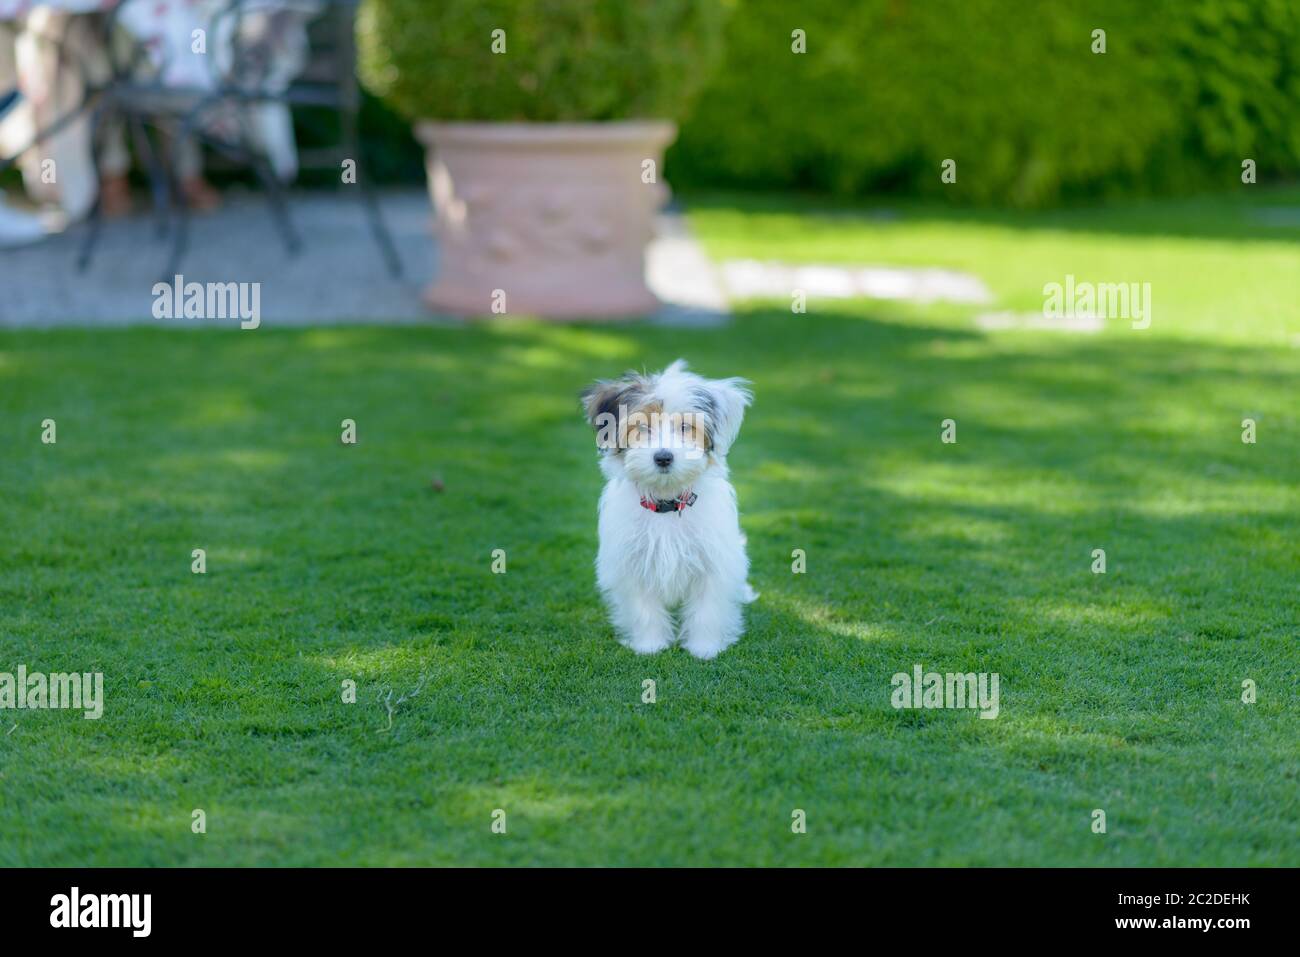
945	907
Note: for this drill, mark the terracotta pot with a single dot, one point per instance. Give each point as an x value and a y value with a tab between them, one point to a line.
552	217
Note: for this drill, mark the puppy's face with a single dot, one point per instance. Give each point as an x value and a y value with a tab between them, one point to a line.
666	430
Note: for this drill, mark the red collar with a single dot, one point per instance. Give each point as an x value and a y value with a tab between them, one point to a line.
678	504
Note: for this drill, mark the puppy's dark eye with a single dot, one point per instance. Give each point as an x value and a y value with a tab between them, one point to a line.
686	428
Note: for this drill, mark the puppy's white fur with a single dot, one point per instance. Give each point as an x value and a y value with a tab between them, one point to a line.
691	564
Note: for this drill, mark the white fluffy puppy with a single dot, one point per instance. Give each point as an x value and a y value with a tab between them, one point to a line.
670	538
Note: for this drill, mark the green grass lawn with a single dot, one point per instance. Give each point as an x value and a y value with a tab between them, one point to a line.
328	563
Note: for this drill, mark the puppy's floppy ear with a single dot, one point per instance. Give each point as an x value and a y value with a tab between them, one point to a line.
726	401
601	402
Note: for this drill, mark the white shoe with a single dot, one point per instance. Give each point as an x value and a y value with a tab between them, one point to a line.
18	228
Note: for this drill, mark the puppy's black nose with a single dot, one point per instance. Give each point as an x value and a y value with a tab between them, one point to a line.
663	458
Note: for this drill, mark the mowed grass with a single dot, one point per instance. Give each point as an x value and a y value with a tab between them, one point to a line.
329	563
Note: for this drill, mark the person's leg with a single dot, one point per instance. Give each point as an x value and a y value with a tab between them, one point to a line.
8	71
57	169
270	127
114	167
200	195
17	226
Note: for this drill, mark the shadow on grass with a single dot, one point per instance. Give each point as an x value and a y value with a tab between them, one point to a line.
333	563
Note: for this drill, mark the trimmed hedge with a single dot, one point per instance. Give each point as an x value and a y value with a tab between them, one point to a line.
889	89
563	59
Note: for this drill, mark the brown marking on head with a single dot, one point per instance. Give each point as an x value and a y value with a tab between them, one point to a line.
637	420
608	402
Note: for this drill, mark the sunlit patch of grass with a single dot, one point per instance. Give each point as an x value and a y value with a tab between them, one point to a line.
330	563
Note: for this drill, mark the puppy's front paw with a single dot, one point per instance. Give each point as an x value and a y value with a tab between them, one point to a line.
704	648
648	644
710	627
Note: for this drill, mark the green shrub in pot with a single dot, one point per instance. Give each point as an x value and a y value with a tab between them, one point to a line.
565	60
544	123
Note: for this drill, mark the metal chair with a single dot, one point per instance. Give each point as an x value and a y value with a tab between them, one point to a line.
330	80
137	96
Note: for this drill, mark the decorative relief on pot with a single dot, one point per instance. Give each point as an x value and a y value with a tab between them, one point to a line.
530	221
557	214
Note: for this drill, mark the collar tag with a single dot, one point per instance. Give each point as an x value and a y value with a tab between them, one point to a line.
678	504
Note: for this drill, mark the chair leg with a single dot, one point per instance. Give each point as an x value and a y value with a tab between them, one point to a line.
247	150
180	235
93	223
279	208
187	128
369	202
96	217
378	228
158	181
181	231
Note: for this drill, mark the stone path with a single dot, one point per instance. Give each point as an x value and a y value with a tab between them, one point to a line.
744	278
683	277
339	277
